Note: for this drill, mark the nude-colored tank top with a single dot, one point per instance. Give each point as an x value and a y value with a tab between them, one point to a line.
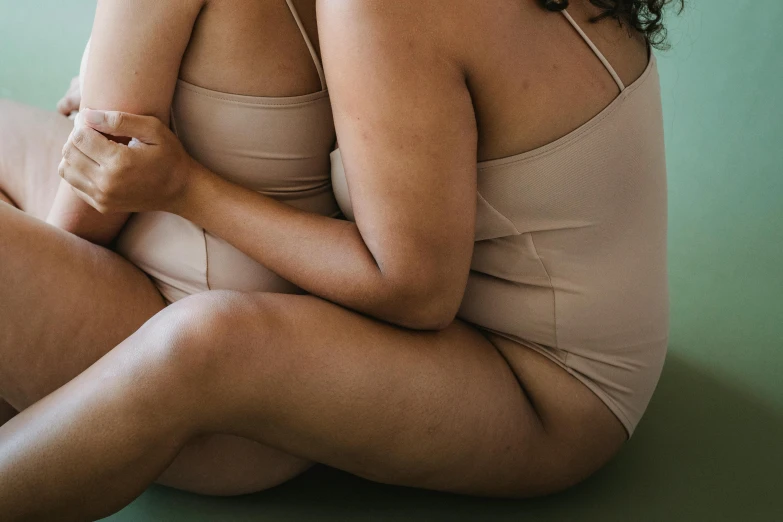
277	146
570	252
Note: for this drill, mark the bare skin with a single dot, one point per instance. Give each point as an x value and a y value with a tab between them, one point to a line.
434	410
441	409
47	276
31	143
34	361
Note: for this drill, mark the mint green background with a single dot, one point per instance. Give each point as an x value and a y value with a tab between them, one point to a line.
711	445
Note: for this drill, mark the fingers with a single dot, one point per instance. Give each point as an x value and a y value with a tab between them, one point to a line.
84	176
94	166
72	99
69	104
146	129
78	170
93	145
64	107
76	174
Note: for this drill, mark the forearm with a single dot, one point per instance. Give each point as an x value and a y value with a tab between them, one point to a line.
131	64
324	256
73	215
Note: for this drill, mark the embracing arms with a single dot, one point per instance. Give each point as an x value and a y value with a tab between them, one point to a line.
408	138
133	63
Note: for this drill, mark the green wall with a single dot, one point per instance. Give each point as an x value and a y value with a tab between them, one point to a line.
711	446
723	94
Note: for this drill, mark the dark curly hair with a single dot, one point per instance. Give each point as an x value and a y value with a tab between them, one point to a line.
645	16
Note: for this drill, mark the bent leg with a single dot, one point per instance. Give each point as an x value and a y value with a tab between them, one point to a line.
31	142
64	303
225	465
440	410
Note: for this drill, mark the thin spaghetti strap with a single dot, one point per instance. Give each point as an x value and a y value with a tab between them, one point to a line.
598	53
309	42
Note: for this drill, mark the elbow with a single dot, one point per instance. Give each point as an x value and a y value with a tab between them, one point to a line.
427	310
423	296
428	322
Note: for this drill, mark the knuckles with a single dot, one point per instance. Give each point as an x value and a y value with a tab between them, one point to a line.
102	208
105	189
158	127
114	120
102	199
79	137
119	163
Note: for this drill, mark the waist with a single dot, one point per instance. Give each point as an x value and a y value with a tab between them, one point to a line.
182	256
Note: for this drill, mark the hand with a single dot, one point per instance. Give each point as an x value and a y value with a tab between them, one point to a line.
151	173
72	99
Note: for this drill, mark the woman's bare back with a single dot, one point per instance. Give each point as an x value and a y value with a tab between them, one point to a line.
533	79
252	48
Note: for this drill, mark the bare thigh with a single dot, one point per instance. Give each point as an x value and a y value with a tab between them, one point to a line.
441	410
31	142
64	303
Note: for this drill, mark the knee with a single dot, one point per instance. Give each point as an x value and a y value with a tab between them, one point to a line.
206	338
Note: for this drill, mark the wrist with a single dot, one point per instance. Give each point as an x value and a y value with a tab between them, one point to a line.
196	178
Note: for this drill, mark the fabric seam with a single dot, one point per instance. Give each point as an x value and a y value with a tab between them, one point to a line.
554	294
206	259
490	205
261	101
594	388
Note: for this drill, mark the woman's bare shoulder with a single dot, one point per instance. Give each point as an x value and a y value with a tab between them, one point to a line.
400	26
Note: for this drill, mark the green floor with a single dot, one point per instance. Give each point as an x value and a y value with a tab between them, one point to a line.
711	445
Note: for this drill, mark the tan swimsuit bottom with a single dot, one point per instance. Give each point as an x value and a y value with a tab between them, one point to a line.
570	252
277	146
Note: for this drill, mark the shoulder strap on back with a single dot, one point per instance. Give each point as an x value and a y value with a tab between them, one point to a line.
598	53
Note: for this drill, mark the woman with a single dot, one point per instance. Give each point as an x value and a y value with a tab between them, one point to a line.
557	274
273	133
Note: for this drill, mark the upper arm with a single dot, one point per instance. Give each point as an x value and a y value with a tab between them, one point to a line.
407	134
132	65
135	55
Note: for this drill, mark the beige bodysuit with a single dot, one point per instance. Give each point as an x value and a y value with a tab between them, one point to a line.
570	252
277	146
